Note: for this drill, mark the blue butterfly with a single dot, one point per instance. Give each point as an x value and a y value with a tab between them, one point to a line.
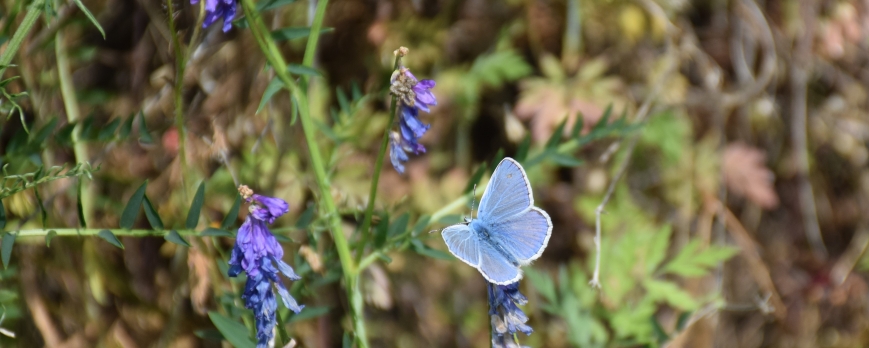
509	231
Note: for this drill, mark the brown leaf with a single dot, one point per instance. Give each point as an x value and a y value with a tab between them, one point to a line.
746	175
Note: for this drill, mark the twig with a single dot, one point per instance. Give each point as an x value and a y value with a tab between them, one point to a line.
641	115
799	76
756	267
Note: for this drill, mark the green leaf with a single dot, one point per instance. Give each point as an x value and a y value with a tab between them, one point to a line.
49	236
342	101
79	207
196	207
555	139
151	214
6	249
670	293
90	16
40	135
2	215
131	211
475	179
544	284
144	134
306	218
42	211
111	238
421	223
266	5
692	262
565	160
399	225
215	232
292	33
64	134
232	331
303	70
176	238
275	85
381	230
127	127
309	313
108	131
658	248
232	215
425	250
522	151
578	125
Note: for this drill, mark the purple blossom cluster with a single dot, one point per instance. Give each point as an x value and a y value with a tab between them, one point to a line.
219	9
505	315
259	255
413	96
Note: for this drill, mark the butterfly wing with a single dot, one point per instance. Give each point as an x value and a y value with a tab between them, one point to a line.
507	194
463	243
524	235
495	267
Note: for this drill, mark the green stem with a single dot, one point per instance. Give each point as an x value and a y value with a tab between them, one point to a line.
38	232
29	19
378	166
327	205
70	104
314	37
178	93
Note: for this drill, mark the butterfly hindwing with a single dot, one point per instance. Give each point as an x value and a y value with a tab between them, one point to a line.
463	243
496	268
523	236
507	194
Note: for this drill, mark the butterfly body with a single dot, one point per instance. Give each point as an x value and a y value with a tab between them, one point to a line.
509	230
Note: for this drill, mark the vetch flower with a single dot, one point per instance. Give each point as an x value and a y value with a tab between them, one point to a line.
217	9
259	255
505	316
413	96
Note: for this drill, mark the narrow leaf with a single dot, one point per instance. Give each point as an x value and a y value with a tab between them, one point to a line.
303	70
306	218
176	238
522	151
399	226
309	313
232	331
425	250
111	238
555	139
475	179
127	127
144	134
151	214
196	207
232	215
577	126
108	131
64	134
292	33
6	249
275	85
215	232
131	211
2	215
42	211
565	160
48	237
381	230
90	16
78	205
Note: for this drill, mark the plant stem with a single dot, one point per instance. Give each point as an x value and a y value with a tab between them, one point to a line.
378	166
178	93
70	104
29	19
327	205
38	232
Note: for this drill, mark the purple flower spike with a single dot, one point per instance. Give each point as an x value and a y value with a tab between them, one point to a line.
414	96
506	317
258	254
219	9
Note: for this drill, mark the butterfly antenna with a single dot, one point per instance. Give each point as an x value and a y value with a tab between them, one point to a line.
473	197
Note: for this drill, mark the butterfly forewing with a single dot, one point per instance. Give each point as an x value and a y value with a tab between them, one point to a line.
507	194
463	243
523	236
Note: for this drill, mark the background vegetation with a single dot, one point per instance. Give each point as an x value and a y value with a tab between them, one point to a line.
718	147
